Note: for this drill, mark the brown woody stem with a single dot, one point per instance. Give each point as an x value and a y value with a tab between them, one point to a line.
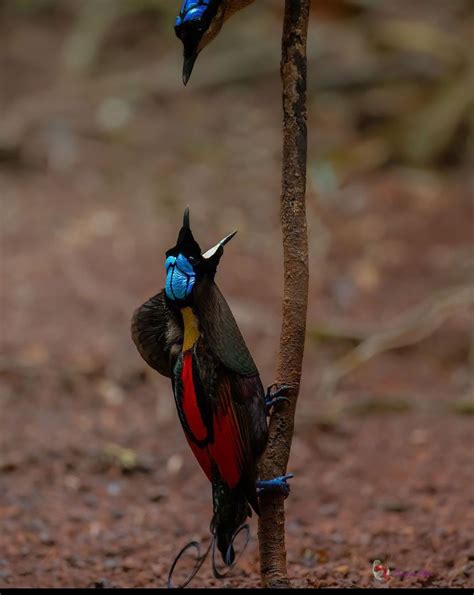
271	531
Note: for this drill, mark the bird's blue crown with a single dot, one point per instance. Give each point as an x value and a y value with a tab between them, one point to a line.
180	277
191	10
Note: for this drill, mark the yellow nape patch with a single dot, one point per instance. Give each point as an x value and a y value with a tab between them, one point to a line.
191	329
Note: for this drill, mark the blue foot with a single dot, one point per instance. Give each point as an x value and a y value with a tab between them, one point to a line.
273	398
277	484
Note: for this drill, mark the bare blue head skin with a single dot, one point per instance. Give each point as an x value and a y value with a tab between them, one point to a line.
185	265
191	26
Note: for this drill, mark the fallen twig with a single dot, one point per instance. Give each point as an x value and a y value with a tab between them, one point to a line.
407	329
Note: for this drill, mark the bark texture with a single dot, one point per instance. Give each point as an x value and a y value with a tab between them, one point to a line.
271	530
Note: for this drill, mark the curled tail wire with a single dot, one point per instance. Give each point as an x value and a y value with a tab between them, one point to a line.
230	555
201	558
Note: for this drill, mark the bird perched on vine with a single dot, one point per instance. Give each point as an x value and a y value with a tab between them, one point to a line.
188	333
199	22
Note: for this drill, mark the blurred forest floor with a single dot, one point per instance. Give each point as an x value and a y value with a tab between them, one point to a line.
100	150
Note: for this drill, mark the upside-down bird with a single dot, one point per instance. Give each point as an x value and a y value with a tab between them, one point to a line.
188	333
198	23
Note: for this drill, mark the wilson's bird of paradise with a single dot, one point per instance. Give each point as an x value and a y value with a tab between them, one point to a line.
188	333
199	22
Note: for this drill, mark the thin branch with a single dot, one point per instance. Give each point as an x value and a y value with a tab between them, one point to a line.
295	249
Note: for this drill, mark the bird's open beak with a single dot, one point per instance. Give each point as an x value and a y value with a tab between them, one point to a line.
215	248
188	66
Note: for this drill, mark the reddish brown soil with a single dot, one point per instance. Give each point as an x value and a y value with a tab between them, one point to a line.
383	469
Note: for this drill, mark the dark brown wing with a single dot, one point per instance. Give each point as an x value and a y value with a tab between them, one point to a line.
157	333
220	329
239	431
237	378
248	398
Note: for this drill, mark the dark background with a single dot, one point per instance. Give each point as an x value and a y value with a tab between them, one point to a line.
101	148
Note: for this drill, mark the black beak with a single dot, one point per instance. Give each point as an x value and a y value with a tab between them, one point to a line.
188	66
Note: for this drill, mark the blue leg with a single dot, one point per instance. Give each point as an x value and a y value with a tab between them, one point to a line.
272	398
277	484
